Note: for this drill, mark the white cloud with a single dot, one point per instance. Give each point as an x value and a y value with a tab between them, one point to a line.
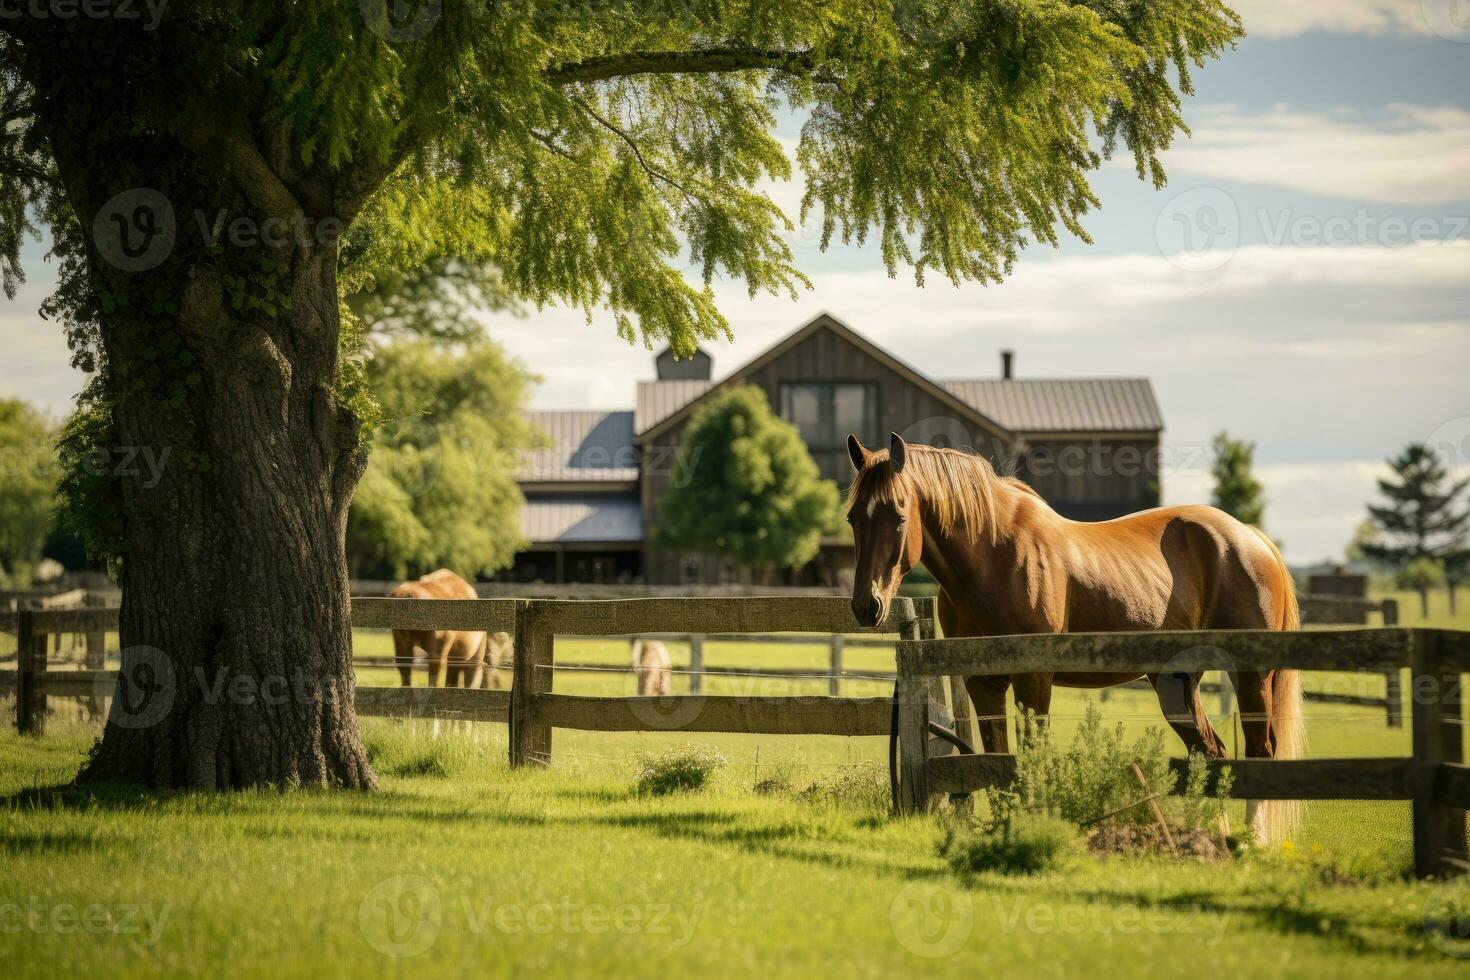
1289	18
1413	155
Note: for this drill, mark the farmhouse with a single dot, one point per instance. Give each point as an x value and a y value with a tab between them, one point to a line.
1088	445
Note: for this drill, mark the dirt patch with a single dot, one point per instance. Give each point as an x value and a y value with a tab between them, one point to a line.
1148	839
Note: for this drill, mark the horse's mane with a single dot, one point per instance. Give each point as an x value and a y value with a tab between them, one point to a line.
958	487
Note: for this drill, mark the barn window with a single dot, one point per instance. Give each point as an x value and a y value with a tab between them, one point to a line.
824	412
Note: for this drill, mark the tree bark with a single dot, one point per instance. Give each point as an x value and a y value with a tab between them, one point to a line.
237	648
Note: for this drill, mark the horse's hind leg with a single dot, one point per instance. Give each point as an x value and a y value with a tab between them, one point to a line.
1253	689
1184	709
989	697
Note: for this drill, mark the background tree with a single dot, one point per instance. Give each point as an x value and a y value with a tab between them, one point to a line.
27	490
1421	519
216	181
1237	491
440	487
753	492
1365	533
1421	574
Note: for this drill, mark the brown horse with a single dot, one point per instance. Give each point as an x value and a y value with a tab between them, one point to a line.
1006	563
653	667
455	656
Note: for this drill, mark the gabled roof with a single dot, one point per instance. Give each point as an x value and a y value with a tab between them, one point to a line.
596	446
1034	405
657	400
824	321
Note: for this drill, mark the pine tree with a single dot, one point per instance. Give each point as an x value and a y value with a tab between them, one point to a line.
1421	519
1237	491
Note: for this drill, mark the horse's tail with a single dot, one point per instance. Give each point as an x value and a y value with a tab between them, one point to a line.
1282	818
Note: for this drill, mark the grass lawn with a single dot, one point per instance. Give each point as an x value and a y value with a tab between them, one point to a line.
460	866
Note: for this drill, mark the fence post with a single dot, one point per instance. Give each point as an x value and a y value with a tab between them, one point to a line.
96	656
912	692
30	690
834	681
1439	830
1393	694
696	663
530	738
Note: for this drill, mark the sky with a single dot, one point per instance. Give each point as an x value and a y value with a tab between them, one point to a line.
1303	281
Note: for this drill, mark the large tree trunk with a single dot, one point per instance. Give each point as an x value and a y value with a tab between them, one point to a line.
237	647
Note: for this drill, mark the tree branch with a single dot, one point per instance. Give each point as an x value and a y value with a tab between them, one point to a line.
603	67
653	172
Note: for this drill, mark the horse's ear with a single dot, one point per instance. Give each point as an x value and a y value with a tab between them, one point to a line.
896	452
857	453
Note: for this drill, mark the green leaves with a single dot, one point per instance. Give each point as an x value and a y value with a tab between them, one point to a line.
748	489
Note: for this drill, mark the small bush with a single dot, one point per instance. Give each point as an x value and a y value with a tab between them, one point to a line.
1025	844
1092	780
863	787
679	770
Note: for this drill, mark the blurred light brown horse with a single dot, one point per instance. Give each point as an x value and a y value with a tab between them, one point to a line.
653	667
1006	563
455	657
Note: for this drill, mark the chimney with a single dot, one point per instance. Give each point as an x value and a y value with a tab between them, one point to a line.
1007	364
696	367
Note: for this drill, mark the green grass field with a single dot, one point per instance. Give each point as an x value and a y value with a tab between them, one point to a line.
461	866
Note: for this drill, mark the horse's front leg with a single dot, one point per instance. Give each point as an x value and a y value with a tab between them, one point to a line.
989	697
1033	698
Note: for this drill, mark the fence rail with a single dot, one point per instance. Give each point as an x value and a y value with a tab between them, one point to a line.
1434	778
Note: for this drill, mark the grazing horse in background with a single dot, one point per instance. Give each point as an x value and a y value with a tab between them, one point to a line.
455	656
1006	563
497	652
654	668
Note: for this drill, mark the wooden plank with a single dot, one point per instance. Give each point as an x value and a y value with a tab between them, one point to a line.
1144	652
491	615
1286	779
61	600
465	704
78	620
1454	649
80	683
1440	845
709	713
762	614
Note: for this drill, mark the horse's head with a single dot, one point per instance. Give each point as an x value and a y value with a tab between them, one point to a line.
887	532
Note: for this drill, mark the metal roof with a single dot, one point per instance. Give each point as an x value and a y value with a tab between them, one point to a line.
566	518
1065	404
584	446
657	400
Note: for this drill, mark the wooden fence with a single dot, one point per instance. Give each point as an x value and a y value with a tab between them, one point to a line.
531	707
1434	778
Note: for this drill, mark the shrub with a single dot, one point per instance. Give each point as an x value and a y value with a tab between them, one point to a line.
861	787
1027	843
679	770
1092	780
